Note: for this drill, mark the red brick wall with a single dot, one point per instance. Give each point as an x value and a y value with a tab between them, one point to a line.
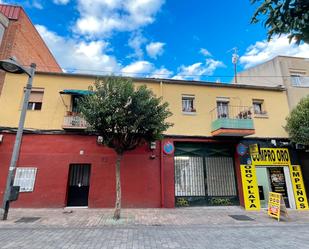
52	155
22	40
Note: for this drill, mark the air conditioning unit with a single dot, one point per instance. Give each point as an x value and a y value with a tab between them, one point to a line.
100	140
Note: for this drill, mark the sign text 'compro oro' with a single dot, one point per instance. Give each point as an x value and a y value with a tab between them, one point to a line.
250	187
271	156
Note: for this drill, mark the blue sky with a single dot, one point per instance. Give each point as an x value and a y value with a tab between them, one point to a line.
155	38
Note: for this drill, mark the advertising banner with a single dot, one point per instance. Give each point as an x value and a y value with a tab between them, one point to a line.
250	187
298	187
276	205
271	156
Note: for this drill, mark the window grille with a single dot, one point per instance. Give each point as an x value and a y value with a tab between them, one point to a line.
25	178
220	176
189	176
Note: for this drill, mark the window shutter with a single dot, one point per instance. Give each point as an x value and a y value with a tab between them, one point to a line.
25	178
36	97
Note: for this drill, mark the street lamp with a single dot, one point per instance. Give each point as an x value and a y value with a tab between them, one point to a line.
12	66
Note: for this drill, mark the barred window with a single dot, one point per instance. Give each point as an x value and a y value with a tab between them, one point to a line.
25	178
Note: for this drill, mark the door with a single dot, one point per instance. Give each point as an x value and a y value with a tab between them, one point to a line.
78	185
271	179
263	184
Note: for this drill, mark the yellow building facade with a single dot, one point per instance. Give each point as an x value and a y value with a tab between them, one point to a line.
198	123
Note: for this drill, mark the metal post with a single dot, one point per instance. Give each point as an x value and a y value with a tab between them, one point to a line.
16	149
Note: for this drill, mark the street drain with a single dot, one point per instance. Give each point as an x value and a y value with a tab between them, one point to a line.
27	219
241	217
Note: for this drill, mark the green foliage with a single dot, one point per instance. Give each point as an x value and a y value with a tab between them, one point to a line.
123	115
298	123
284	17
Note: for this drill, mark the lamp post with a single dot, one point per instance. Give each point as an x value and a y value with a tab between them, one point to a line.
12	66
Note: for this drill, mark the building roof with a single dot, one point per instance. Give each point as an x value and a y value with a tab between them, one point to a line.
10	11
172	81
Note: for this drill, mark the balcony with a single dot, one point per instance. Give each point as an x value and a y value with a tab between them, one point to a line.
74	121
232	121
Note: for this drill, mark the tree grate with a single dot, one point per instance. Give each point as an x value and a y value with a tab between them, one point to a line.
241	217
27	219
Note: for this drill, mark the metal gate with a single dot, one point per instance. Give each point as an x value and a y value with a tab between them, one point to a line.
78	185
205	177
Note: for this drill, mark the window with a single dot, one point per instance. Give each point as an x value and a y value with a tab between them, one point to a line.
75	99
188	103
258	107
223	109
299	79
35	99
25	178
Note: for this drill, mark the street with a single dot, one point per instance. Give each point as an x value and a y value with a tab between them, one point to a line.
150	237
199	227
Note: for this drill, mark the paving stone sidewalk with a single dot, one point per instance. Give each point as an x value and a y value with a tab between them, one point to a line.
75	217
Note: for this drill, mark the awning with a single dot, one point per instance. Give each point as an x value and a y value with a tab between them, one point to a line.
75	92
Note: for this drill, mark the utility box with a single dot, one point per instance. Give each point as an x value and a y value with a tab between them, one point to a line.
14	193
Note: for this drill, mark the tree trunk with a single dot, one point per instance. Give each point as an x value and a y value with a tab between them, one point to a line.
118	188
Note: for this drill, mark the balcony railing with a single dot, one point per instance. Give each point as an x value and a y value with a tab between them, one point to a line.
74	121
230	120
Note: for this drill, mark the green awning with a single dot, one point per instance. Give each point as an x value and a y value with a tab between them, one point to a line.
75	92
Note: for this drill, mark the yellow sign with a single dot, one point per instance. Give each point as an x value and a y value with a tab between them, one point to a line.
254	149
298	187
271	156
250	187
276	205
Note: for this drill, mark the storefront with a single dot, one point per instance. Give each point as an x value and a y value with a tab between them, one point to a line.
272	170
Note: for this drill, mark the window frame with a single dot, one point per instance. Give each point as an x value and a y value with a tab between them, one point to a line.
18	179
187	97
297	75
261	103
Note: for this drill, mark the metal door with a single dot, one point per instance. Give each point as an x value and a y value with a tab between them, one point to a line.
78	185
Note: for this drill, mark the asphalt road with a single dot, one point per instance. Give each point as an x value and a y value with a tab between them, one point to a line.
164	236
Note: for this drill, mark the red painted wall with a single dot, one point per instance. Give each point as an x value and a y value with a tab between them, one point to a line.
52	155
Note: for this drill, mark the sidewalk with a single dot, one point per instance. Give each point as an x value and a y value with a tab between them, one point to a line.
206	216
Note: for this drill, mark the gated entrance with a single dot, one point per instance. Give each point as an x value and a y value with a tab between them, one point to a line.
78	185
205	175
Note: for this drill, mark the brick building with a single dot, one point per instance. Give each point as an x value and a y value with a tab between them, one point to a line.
19	38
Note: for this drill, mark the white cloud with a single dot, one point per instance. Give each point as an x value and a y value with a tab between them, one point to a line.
61	2
138	69
101	17
197	70
263	51
80	56
135	42
155	49
205	52
145	69
37	5
161	73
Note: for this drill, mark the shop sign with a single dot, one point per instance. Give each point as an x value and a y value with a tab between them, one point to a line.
271	156
298	187
250	187
276	205
254	149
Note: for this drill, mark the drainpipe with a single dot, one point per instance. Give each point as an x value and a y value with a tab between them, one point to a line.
162	174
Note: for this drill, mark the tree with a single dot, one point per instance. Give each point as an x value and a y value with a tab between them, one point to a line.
298	122
125	117
284	17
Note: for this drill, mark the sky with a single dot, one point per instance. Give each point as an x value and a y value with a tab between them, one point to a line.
178	39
